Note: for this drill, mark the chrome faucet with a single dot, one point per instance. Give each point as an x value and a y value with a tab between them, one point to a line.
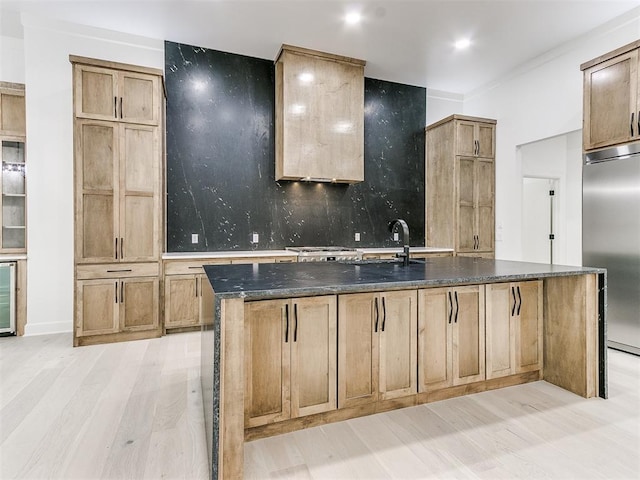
405	237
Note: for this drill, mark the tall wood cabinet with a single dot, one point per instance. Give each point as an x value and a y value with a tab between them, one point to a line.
460	199
290	358
611	101
118	200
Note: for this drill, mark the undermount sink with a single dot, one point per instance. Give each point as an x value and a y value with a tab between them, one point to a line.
378	261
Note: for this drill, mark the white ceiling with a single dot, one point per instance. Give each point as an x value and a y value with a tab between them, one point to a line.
407	41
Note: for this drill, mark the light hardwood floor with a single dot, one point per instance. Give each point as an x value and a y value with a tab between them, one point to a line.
133	410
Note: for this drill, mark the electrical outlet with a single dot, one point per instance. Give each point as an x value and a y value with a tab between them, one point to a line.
357	236
255	237
194	238
396	236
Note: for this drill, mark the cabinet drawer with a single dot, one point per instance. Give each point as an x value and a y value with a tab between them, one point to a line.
191	266
117	270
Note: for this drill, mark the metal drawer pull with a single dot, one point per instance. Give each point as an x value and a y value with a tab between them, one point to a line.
119	271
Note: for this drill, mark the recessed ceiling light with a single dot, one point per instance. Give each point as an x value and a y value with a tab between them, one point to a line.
353	18
462	43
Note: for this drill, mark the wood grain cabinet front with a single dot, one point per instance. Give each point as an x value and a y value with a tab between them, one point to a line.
513	328
117	95
187	299
108	305
611	103
12	110
377	346
451	343
460	176
319	116
290	358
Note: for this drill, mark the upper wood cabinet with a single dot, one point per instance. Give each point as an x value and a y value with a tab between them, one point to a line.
104	93
377	346
118	197
319	116
461	185
451	341
290	358
513	328
611	110
12	109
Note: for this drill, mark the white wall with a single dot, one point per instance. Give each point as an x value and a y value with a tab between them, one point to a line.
47	46
11	59
540	100
442	104
560	158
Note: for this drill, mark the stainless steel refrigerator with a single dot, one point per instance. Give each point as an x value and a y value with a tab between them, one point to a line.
611	236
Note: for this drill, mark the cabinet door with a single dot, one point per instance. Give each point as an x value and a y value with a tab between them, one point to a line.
466	138
268	335
398	344
207	297
528	327
485	135
12	113
139	193
484	191
435	358
139	98
96	92
96	307
501	305
139	303
313	355
96	180
468	335
610	102
466	204
181	301
358	324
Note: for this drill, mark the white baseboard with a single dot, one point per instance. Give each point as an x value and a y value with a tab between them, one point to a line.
47	328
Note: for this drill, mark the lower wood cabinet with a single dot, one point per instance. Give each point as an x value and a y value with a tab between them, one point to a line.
377	346
116	302
117	305
451	342
290	358
514	328
187	300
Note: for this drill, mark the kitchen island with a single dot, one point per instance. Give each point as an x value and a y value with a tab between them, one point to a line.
552	317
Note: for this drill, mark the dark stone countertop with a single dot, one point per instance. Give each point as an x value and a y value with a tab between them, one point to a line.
278	280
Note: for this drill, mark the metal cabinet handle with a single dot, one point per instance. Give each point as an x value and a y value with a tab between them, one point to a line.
116	289
450	307
120	271
121	292
116	248
121	248
295	317
513	294
457	306
631	126
286	319
639	122
519	300
377	313
120	107
384	313
196	292
115	107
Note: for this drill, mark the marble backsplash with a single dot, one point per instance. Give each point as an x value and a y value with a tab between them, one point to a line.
220	169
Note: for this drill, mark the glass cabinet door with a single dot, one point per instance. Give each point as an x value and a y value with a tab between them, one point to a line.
13	195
